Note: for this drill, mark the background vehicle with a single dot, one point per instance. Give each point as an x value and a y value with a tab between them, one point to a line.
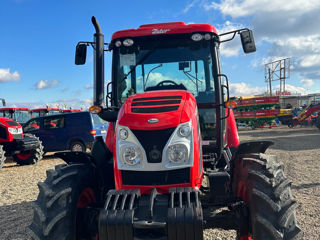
172	157
21	115
306	113
24	148
67	131
256	111
40	112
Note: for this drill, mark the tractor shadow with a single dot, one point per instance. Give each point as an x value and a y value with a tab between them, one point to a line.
14	219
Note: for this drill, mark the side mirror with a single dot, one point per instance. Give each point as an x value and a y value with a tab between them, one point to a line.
81	54
247	41
109	115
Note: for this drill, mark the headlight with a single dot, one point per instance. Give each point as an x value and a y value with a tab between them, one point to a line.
185	130
123	134
177	153
131	155
15	130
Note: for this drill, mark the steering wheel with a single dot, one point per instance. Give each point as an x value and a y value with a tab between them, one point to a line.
166	81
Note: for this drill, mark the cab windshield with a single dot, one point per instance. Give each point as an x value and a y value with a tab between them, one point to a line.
163	65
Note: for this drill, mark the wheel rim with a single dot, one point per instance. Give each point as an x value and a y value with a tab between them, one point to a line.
77	148
86	198
24	155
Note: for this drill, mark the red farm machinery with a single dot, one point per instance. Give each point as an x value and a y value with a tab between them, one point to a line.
257	112
23	148
172	164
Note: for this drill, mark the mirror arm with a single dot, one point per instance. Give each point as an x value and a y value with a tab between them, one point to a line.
232	32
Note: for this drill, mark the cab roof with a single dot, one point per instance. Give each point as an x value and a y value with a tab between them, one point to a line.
45	109
164	28
21	109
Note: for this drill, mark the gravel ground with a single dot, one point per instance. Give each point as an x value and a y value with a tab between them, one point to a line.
298	149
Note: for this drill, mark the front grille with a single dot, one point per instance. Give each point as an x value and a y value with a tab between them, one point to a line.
152	104
156	98
153	142
143	178
155	109
17	136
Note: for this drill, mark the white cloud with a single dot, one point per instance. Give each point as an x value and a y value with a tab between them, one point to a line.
289	28
244	89
88	86
61	103
6	76
46	84
189	6
236	8
307	82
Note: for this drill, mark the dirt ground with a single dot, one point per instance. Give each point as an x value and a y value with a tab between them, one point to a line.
298	149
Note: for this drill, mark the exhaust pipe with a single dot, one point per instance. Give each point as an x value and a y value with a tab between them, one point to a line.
98	88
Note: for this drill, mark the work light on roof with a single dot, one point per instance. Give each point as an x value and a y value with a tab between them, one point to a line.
207	36
118	43
127	42
197	37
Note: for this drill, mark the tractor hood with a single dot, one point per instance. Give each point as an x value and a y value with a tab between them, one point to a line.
157	110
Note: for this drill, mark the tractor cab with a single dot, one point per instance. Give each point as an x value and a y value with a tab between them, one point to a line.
21	115
41	112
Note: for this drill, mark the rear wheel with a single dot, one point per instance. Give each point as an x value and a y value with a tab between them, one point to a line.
77	146
31	156
58	211
260	182
2	157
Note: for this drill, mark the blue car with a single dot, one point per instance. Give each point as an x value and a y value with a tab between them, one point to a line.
68	131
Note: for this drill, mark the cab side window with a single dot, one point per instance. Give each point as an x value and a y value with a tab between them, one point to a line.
53	122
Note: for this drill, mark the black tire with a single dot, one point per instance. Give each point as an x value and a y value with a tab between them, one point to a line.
55	210
2	157
77	146
260	181
31	156
318	122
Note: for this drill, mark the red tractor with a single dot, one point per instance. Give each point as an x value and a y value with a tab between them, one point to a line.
21	115
24	148
172	164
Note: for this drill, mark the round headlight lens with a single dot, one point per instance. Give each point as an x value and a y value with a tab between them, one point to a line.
131	155
197	37
128	42
123	134
207	36
185	130
177	153
118	43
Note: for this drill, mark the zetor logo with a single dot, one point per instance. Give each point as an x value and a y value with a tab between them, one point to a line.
159	31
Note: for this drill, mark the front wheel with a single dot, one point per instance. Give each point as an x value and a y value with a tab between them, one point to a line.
31	156
260	182
58	211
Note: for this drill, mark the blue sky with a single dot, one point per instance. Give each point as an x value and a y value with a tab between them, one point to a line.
38	39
